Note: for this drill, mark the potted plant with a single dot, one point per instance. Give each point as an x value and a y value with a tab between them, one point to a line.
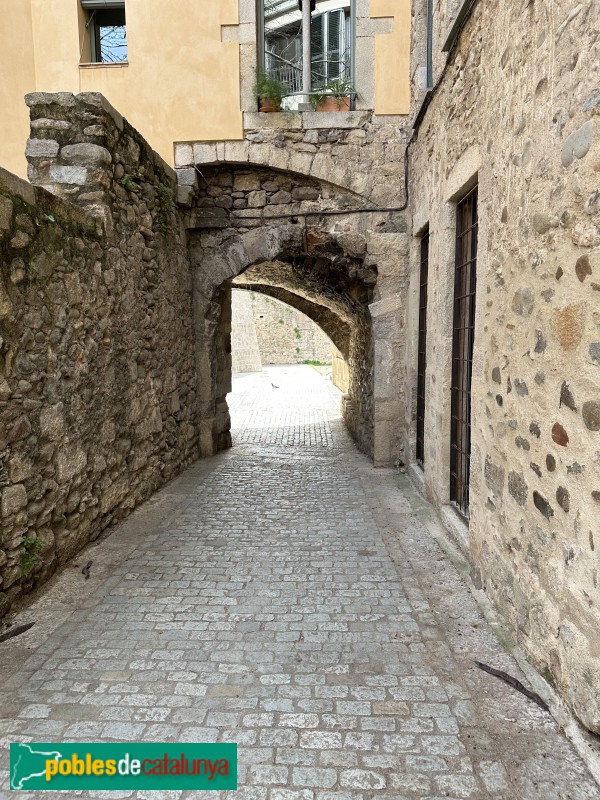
269	91
335	96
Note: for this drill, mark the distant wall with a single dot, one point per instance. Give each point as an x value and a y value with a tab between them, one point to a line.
285	335
245	355
97	365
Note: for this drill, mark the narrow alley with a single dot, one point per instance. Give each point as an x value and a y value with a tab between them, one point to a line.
287	596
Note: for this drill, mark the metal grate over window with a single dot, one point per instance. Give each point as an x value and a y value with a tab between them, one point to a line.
422	355
462	349
281	50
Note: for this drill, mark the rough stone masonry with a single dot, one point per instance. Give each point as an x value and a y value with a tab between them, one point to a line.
97	374
521	92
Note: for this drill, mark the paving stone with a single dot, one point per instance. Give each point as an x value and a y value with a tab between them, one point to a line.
291	601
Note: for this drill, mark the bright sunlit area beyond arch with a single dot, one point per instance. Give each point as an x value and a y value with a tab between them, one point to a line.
288	378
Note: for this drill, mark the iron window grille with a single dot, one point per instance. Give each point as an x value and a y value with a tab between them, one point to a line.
280	43
462	349
422	348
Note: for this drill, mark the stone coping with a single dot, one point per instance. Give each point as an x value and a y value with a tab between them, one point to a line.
68	213
307	120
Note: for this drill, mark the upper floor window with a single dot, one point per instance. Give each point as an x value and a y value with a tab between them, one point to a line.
282	46
107	31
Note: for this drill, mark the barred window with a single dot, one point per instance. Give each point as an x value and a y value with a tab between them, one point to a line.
280	44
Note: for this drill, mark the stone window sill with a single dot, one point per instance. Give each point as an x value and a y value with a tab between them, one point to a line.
456	524
417	476
103	65
304	119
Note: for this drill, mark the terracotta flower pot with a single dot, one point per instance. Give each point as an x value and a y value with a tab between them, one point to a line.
334	104
268	106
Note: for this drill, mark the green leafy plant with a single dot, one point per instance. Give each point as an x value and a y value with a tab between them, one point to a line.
313	363
338	89
129	182
166	205
31	547
270	91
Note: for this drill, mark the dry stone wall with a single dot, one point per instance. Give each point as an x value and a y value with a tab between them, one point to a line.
519	114
97	363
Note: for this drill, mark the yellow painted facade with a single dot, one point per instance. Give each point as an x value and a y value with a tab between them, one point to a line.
392	58
181	81
17	77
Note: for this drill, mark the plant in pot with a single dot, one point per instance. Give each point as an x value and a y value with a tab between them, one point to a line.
334	96
269	91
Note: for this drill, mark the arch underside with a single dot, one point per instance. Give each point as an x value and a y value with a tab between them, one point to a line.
335	328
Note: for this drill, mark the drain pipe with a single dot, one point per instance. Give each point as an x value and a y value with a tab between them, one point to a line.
306	50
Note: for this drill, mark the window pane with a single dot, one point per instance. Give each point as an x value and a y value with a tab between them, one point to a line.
281	43
462	349
108	34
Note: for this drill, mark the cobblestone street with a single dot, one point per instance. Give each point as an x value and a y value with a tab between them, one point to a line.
287	596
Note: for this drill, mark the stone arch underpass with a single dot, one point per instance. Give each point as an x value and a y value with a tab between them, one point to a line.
305	267
115	311
319	247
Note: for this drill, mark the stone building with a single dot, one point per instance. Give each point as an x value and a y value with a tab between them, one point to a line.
453	261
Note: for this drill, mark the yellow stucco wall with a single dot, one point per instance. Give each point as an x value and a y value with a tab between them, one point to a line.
181	82
392	58
17	76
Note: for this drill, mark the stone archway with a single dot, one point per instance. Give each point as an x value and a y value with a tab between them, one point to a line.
318	246
310	272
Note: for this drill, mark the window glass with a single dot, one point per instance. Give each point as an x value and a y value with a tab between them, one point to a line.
108	35
331	44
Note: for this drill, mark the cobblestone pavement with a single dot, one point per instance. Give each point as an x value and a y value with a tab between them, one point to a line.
286	596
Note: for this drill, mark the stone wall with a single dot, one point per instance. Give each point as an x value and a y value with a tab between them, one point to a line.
354	151
339	371
535	491
337	180
245	355
97	365
286	335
